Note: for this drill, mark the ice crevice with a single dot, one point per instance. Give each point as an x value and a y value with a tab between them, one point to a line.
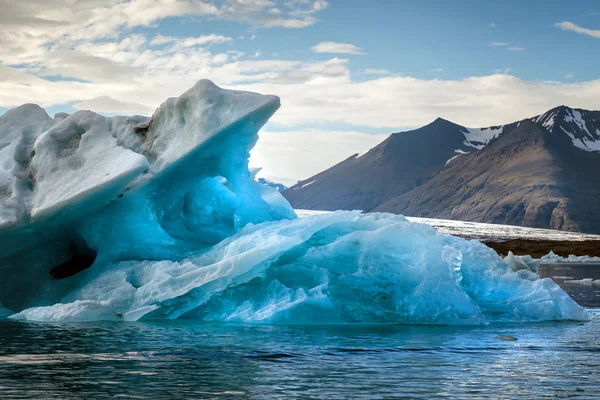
130	218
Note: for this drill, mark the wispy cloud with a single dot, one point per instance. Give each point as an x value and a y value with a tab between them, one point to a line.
569	76
503	71
436	70
506	45
570	26
492	25
372	71
190	41
337	48
315	92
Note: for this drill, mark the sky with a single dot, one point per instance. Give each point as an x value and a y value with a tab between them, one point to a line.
348	72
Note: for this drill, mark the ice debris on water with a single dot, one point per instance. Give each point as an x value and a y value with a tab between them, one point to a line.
552	258
160	218
585	281
507	338
525	266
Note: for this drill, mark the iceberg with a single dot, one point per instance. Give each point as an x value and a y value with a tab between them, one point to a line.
134	218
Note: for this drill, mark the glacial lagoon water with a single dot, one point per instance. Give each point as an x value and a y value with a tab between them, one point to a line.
184	359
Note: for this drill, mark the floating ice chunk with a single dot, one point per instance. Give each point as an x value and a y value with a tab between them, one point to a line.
518	263
552	258
585	281
338	267
78	311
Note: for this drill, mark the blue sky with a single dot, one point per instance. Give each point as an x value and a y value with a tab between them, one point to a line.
348	72
418	38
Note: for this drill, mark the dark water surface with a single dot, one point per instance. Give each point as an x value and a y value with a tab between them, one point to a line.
199	360
191	360
577	279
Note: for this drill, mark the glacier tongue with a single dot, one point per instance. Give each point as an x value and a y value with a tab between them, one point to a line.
160	218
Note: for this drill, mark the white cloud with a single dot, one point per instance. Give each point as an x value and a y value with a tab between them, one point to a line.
395	102
285	153
492	25
373	71
85	67
504	71
436	70
29	29
569	76
319	5
108	69
271	22
107	104
312	93
336	48
505	44
190	41
569	26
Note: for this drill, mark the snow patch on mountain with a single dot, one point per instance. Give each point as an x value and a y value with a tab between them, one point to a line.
577	129
459	153
574	116
547	120
480	137
305	185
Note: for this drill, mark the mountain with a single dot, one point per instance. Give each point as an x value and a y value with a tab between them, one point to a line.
581	126
399	164
541	172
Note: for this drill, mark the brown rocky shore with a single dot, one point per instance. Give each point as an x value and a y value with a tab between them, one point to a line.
539	248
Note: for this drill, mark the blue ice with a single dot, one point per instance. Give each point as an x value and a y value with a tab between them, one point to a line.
179	229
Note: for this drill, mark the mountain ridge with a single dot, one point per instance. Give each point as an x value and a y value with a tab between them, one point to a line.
546	185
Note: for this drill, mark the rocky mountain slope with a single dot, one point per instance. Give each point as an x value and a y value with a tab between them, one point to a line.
541	172
399	164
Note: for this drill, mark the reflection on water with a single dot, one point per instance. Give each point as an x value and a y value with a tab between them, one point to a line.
182	359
